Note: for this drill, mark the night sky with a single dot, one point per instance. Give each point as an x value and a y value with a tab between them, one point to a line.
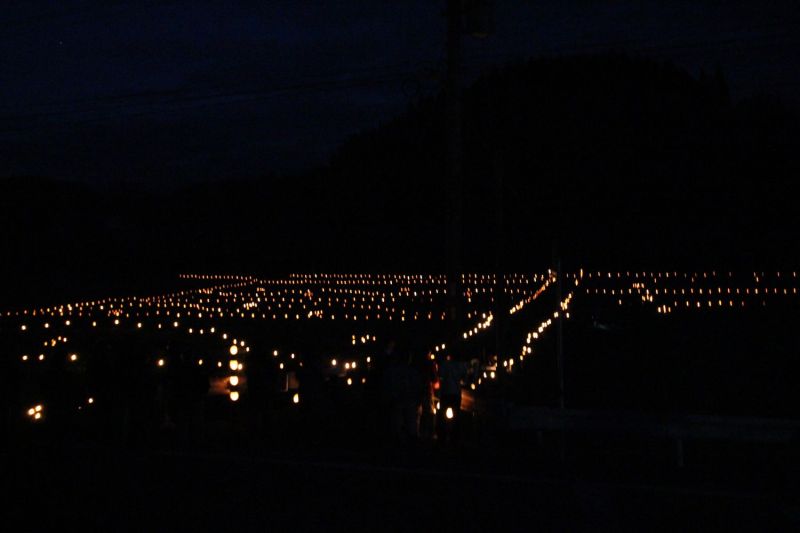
164	93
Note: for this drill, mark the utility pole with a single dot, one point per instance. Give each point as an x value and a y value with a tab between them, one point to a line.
453	183
473	17
560	344
559	327
500	300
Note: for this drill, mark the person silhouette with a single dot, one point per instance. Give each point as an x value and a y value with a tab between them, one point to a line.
451	374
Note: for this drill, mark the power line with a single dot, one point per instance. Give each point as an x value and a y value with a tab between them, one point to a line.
188	102
214	90
183	99
182	95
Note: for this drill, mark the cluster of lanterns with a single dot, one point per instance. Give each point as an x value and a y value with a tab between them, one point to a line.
235	366
36	413
363	339
361	297
301	296
536	334
364	297
519	306
671	291
484	324
174	313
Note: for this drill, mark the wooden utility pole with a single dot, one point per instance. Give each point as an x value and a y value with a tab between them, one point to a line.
475	18
500	301
453	183
559	327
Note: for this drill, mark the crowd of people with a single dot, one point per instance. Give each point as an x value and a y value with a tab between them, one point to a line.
405	396
419	397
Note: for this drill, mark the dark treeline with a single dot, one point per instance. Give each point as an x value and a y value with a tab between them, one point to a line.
625	162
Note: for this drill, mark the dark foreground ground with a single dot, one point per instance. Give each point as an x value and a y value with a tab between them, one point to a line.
338	477
110	490
328	465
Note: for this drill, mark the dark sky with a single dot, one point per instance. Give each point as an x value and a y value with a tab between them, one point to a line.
162	93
